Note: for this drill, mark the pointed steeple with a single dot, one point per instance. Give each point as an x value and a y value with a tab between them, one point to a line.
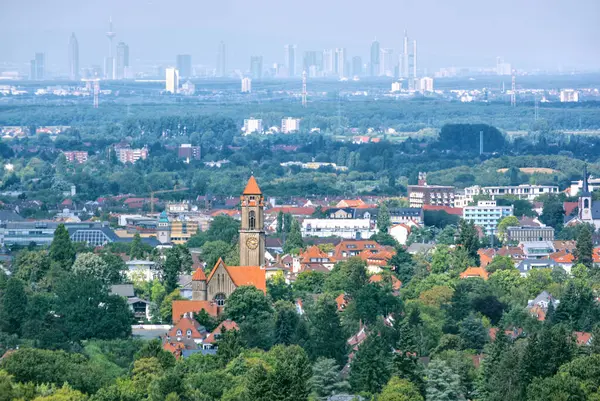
252	187
585	189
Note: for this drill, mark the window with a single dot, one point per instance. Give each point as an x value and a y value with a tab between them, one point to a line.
220	299
189	333
252	220
178	333
586	203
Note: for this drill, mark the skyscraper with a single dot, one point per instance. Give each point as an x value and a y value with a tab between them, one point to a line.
256	67
73	58
375	63
290	59
122	61
109	70
172	78
184	65
357	68
387	64
38	65
340	62
246	85
328	62
404	71
222	60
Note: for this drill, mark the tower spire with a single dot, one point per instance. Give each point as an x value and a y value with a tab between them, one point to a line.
585	189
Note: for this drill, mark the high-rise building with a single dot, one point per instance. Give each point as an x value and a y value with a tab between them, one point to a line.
340	62
289	125
312	59
73	58
172	78
184	65
188	152
375	63
38	67
357	67
404	71
109	68
256	67
252	125
32	71
387	63
425	84
246	85
569	95
222	60
290	59
328	62
122	60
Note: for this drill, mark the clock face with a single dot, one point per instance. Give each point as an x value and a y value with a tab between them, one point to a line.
252	243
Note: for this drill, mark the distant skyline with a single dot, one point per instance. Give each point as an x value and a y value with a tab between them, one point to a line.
549	34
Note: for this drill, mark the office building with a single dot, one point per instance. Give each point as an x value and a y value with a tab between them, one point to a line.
328	62
404	71
109	68
184	65
374	67
122	61
246	85
256	67
290	59
289	125
425	85
357	66
340	62
76	156
502	68
37	67
341	228
387	63
172	78
569	96
222	60
524	191
188	152
487	215
312	59
397	86
73	58
435	195
128	155
529	233
252	125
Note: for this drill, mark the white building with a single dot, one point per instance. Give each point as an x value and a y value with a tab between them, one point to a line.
141	270
289	125
172	78
188	88
524	191
342	228
425	85
569	95
396	86
252	125
487	215
246	85
576	186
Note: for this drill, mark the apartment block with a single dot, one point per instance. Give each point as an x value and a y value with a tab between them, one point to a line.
487	215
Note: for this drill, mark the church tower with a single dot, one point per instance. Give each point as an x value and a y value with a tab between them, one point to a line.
252	233
585	200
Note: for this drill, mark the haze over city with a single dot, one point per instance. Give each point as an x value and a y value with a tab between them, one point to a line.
553	35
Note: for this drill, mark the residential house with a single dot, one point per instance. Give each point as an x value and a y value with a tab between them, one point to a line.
377	260
564	260
526	265
210	342
400	215
478	272
538	306
537	249
419	248
348	249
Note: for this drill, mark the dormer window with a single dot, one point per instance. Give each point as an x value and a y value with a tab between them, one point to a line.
189	333
178	333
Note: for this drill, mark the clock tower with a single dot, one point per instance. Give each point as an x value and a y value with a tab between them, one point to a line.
252	233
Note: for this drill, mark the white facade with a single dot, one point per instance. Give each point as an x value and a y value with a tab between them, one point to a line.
426	85
246	85
253	125
289	125
141	270
342	228
569	95
396	86
593	184
487	215
172	80
525	191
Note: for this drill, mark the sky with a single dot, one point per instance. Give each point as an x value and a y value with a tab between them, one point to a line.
530	34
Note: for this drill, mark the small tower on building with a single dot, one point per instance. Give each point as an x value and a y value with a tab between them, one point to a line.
163	228
585	200
252	232
199	285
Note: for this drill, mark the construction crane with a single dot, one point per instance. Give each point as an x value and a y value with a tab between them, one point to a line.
164	191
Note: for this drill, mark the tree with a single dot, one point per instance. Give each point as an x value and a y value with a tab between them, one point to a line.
279	229
246	302
326	336
136	250
287	222
556	388
399	389
473	334
406	360
371	368
327	379
171	270
403	265
230	345
32	266
61	250
585	248
286	322
309	281
508	221
442	383
440	260
291	371
14	305
90	264
278	289
65	393
383	218
212	251
294	238
468	238
500	263
553	212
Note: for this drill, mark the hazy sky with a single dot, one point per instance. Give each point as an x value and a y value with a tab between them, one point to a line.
528	33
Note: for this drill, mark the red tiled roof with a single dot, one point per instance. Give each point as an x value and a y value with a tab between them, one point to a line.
583	338
313	252
296	211
475	272
226	324
355	246
341	301
175	348
450	210
380	258
252	187
351	203
243	275
227	212
562	257
569	207
199	275
180	307
377	278
185	324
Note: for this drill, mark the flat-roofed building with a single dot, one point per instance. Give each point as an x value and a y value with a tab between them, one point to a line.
529	233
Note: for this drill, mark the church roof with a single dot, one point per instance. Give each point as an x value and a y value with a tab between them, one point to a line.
243	275
199	275
252	187
163	218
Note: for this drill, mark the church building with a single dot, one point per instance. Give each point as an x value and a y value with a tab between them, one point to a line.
589	210
211	292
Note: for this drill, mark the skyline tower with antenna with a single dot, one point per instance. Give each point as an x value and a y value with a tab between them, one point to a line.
110	34
109	62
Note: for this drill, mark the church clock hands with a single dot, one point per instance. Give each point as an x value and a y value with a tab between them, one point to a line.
252	243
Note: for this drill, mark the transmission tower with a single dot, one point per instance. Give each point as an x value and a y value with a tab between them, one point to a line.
536	115
513	96
304	88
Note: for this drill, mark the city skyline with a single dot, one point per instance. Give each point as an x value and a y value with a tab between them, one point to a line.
526	37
